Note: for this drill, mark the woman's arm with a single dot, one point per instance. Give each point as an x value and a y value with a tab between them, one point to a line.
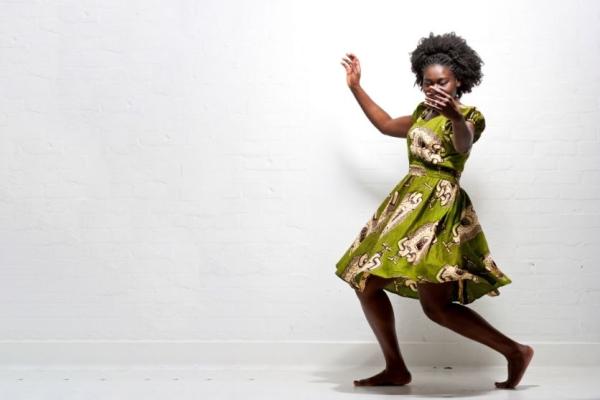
464	132
397	127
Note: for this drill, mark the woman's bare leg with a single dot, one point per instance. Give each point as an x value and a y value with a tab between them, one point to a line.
380	315
436	300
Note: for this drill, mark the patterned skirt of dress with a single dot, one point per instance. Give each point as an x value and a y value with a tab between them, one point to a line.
425	230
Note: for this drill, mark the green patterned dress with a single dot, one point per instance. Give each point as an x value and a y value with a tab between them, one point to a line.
426	229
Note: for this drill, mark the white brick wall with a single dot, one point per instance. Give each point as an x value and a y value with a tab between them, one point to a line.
181	170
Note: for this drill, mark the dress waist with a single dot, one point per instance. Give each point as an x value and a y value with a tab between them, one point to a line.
437	171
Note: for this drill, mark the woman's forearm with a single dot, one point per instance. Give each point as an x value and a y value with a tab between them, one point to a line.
376	114
462	135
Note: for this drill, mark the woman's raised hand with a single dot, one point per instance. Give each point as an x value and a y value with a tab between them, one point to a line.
352	65
442	102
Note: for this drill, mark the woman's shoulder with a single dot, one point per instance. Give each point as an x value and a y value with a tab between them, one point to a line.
474	115
417	112
471	113
465	107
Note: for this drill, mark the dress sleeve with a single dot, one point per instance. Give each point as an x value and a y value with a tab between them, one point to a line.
476	117
417	112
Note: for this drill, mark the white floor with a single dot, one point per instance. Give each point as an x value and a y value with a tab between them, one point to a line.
138	382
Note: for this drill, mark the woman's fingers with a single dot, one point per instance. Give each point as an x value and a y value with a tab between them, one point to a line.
432	98
352	64
352	58
430	103
349	62
433	106
352	68
435	102
437	98
440	92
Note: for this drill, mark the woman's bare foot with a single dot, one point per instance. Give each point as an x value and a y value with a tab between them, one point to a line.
387	377
517	364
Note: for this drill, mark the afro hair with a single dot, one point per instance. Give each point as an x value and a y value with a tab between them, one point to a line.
450	50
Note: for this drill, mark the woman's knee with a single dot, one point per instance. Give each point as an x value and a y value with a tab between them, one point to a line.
436	313
435	299
374	284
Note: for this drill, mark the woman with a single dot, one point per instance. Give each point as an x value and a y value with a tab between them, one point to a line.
424	241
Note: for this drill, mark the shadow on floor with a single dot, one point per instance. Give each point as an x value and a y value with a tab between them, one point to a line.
443	382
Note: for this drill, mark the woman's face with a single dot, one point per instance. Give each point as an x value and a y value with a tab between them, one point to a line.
440	76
